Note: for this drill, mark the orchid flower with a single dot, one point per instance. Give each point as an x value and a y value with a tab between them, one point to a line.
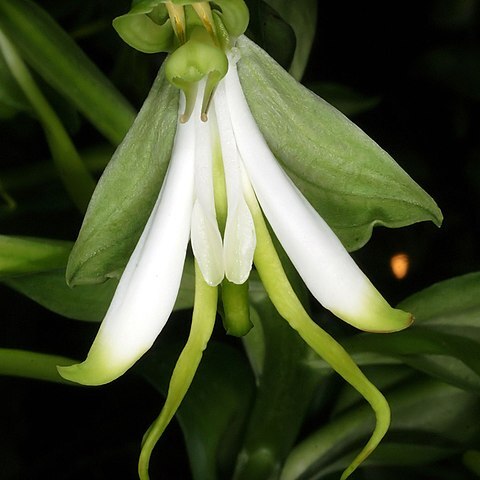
222	185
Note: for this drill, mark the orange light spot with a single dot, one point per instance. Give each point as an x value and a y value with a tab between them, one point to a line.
400	264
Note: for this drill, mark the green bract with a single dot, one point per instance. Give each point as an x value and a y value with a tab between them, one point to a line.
127	190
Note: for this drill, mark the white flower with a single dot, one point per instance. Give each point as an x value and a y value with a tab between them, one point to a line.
186	210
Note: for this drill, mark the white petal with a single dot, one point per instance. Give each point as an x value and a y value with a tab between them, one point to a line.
205	236
239	238
323	263
149	285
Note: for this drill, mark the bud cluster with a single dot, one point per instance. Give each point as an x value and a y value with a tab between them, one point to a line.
196	34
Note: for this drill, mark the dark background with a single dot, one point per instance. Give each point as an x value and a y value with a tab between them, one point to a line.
419	60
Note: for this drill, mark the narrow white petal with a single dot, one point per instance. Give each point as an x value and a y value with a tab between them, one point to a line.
239	238
207	245
323	263
205	236
149	285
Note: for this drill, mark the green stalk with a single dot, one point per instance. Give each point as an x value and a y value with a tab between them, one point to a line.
73	173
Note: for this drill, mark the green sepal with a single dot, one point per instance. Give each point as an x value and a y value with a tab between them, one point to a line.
345	175
127	190
146	27
236	308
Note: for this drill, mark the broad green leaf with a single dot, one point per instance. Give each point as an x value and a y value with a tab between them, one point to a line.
27	255
214	410
345	175
301	15
431	413
37	366
445	339
452	358
127	190
453	304
56	57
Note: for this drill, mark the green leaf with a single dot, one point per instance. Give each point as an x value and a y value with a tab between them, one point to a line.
445	339
85	302
56	57
426	412
213	412
421	347
35	267
301	15
452	304
345	175
21	255
49	289
127	190
37	366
